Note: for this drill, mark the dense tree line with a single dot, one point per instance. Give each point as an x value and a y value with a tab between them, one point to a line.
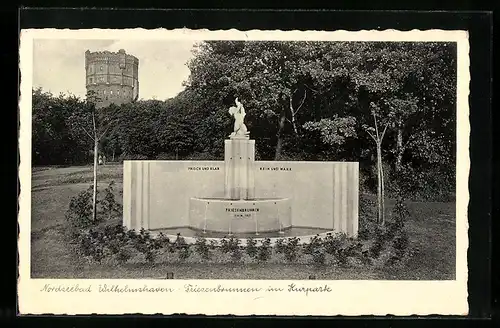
387	105
53	139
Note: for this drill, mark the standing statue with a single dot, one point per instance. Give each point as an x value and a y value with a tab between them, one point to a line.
238	113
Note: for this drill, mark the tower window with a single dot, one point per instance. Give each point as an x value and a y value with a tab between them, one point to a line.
118	92
111	92
101	68
104	91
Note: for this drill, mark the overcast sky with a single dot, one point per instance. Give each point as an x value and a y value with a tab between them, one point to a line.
59	64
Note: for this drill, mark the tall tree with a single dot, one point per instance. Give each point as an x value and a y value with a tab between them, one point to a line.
398	86
52	140
272	79
377	133
94	123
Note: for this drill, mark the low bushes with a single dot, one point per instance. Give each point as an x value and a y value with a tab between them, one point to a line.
79	213
99	241
115	244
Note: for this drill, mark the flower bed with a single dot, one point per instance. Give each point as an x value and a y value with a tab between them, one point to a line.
98	241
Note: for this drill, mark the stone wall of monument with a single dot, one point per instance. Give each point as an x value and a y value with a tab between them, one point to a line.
157	194
113	76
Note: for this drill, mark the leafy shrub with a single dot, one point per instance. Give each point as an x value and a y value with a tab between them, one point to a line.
114	245
85	244
79	213
144	234
179	241
315	243
184	252
236	254
291	249
98	253
367	230
202	248
333	243
251	247
367	211
280	246
264	250
123	255
213	244
401	214
400	244
131	234
318	255
91	244
397	233
119	244
342	248
353	250
109	205
229	245
164	242
378	243
147	245
143	244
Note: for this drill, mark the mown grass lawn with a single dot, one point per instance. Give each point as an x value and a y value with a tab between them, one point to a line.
431	230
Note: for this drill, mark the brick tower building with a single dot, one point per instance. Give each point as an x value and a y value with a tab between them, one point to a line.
113	76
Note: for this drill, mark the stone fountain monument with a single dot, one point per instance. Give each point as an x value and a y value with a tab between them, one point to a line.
240	195
240	211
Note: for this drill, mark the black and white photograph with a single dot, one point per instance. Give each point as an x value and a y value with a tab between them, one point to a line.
226	165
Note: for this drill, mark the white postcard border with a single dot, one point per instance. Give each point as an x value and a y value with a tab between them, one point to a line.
345	297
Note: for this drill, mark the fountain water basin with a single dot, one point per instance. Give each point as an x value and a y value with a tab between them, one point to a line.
249	216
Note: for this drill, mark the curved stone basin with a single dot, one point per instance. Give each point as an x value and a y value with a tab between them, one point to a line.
240	216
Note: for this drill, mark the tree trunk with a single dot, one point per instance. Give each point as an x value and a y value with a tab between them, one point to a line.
382	189
279	144
292	113
379	184
113	155
94	195
399	150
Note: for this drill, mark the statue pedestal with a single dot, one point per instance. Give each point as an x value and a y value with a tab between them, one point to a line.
239	167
